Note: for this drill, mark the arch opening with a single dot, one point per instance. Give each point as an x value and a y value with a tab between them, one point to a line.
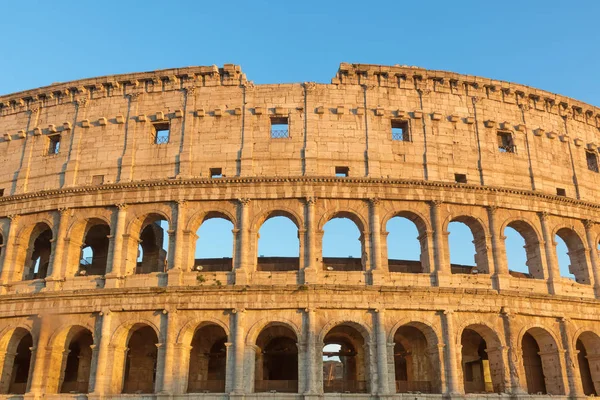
276	361
482	367
17	363
77	363
343	244
467	246
588	359
571	256
406	246
215	245
278	245
140	363
344	361
208	359
94	253
154	245
523	253
541	362
414	362
40	251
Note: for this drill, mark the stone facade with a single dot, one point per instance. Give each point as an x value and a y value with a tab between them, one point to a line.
84	164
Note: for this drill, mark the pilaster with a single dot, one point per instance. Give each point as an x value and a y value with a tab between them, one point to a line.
115	268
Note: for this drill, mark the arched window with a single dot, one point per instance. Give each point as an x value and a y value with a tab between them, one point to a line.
276	365
416	365
344	359
214	246
462	248
39	251
343	245
541	362
15	371
76	371
405	246
523	254
140	365
481	363
94	254
154	241
588	359
278	245
571	256
208	359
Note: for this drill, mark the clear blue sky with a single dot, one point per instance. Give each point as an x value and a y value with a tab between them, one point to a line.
547	44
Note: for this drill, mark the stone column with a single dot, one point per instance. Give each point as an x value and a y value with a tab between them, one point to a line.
99	383
8	264
593	248
442	268
37	382
229	367
377	268
115	266
553	272
451	353
311	361
500	273
239	350
310	269
382	358
168	381
513	353
56	267
243	245
178	258
573	374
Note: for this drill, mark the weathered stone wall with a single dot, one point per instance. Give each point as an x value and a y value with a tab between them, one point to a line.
218	119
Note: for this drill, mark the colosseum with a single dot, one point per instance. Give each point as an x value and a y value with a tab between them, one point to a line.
107	182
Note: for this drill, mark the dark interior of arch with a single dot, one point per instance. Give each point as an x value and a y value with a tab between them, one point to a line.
585	370
76	374
532	362
276	366
153	251
140	364
96	240
278	244
41	250
208	359
19	370
413	363
345	369
477	375
214	246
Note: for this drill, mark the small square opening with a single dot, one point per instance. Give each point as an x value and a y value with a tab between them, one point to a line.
216	173
592	161
342	172
505	142
400	130
97	180
162	133
460	178
1	192
54	144
561	192
280	128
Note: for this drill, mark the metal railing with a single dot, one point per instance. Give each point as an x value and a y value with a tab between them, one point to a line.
399	135
162	139
280	133
207	386
507	148
413	386
592	164
280	386
344	386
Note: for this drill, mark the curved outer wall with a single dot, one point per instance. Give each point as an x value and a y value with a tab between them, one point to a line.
109	168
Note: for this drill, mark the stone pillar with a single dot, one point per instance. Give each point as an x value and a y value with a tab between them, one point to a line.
377	269
56	267
382	358
451	354
513	354
549	249
442	268
243	242
572	367
178	259
500	272
593	248
170	356
229	367
8	264
311	357
37	382
99	383
310	269
239	350
115	266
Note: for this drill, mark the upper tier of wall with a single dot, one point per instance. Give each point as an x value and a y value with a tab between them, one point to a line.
218	119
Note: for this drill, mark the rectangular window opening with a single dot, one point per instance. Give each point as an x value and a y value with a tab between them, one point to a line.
506	143
400	130
162	133
460	178
561	192
592	161
54	144
280	128
1	192
216	173
97	180
342	172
